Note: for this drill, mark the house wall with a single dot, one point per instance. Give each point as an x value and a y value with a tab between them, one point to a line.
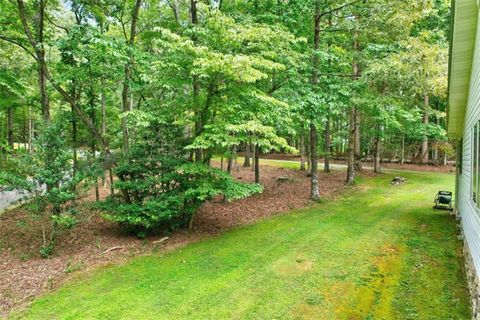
470	214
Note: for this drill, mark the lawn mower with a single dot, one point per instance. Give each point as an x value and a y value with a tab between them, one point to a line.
443	200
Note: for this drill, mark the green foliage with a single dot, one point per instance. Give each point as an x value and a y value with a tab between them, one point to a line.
182	87
165	191
46	179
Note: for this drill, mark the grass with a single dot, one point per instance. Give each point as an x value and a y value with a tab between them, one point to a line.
287	164
380	252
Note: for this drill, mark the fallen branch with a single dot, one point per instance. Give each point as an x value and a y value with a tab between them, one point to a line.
160	240
112	249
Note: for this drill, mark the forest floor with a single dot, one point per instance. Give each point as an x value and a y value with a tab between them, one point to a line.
376	252
24	275
275	157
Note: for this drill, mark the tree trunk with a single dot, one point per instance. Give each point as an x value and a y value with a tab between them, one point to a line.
198	117
104	128
30	130
42	67
328	144
351	149
196	88
378	144
307	152
92	139
207	159
358	149
10	128
302	151
356	75
37	45
314	193
74	142
104	113
253	157
425	158
76	94
43	92
246	161
436	152
110	175
402	159
257	164
125	109
231	159
190	222
25	129
126	103
353	135
328	141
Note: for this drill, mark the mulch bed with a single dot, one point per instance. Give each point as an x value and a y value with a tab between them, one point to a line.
25	275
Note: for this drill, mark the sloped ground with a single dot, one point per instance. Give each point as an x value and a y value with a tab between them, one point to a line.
24	275
380	252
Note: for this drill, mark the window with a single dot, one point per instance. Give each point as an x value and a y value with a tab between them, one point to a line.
475	162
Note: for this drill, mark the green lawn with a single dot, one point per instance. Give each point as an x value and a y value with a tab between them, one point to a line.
287	164
380	252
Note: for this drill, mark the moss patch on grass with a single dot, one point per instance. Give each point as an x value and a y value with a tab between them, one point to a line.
380	252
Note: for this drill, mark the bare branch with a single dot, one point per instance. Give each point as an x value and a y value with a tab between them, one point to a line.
23	18
338	9
345	75
111	249
57	25
173	5
334	30
19	44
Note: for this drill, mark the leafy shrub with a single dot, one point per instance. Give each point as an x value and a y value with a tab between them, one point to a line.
46	178
166	191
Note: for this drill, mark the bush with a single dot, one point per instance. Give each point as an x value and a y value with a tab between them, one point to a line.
158	191
47	179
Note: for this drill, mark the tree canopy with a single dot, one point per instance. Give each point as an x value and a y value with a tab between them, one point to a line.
151	93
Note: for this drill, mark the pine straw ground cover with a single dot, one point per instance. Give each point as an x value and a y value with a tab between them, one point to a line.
24	275
378	252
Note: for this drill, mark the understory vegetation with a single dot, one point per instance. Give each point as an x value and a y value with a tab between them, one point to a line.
141	95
